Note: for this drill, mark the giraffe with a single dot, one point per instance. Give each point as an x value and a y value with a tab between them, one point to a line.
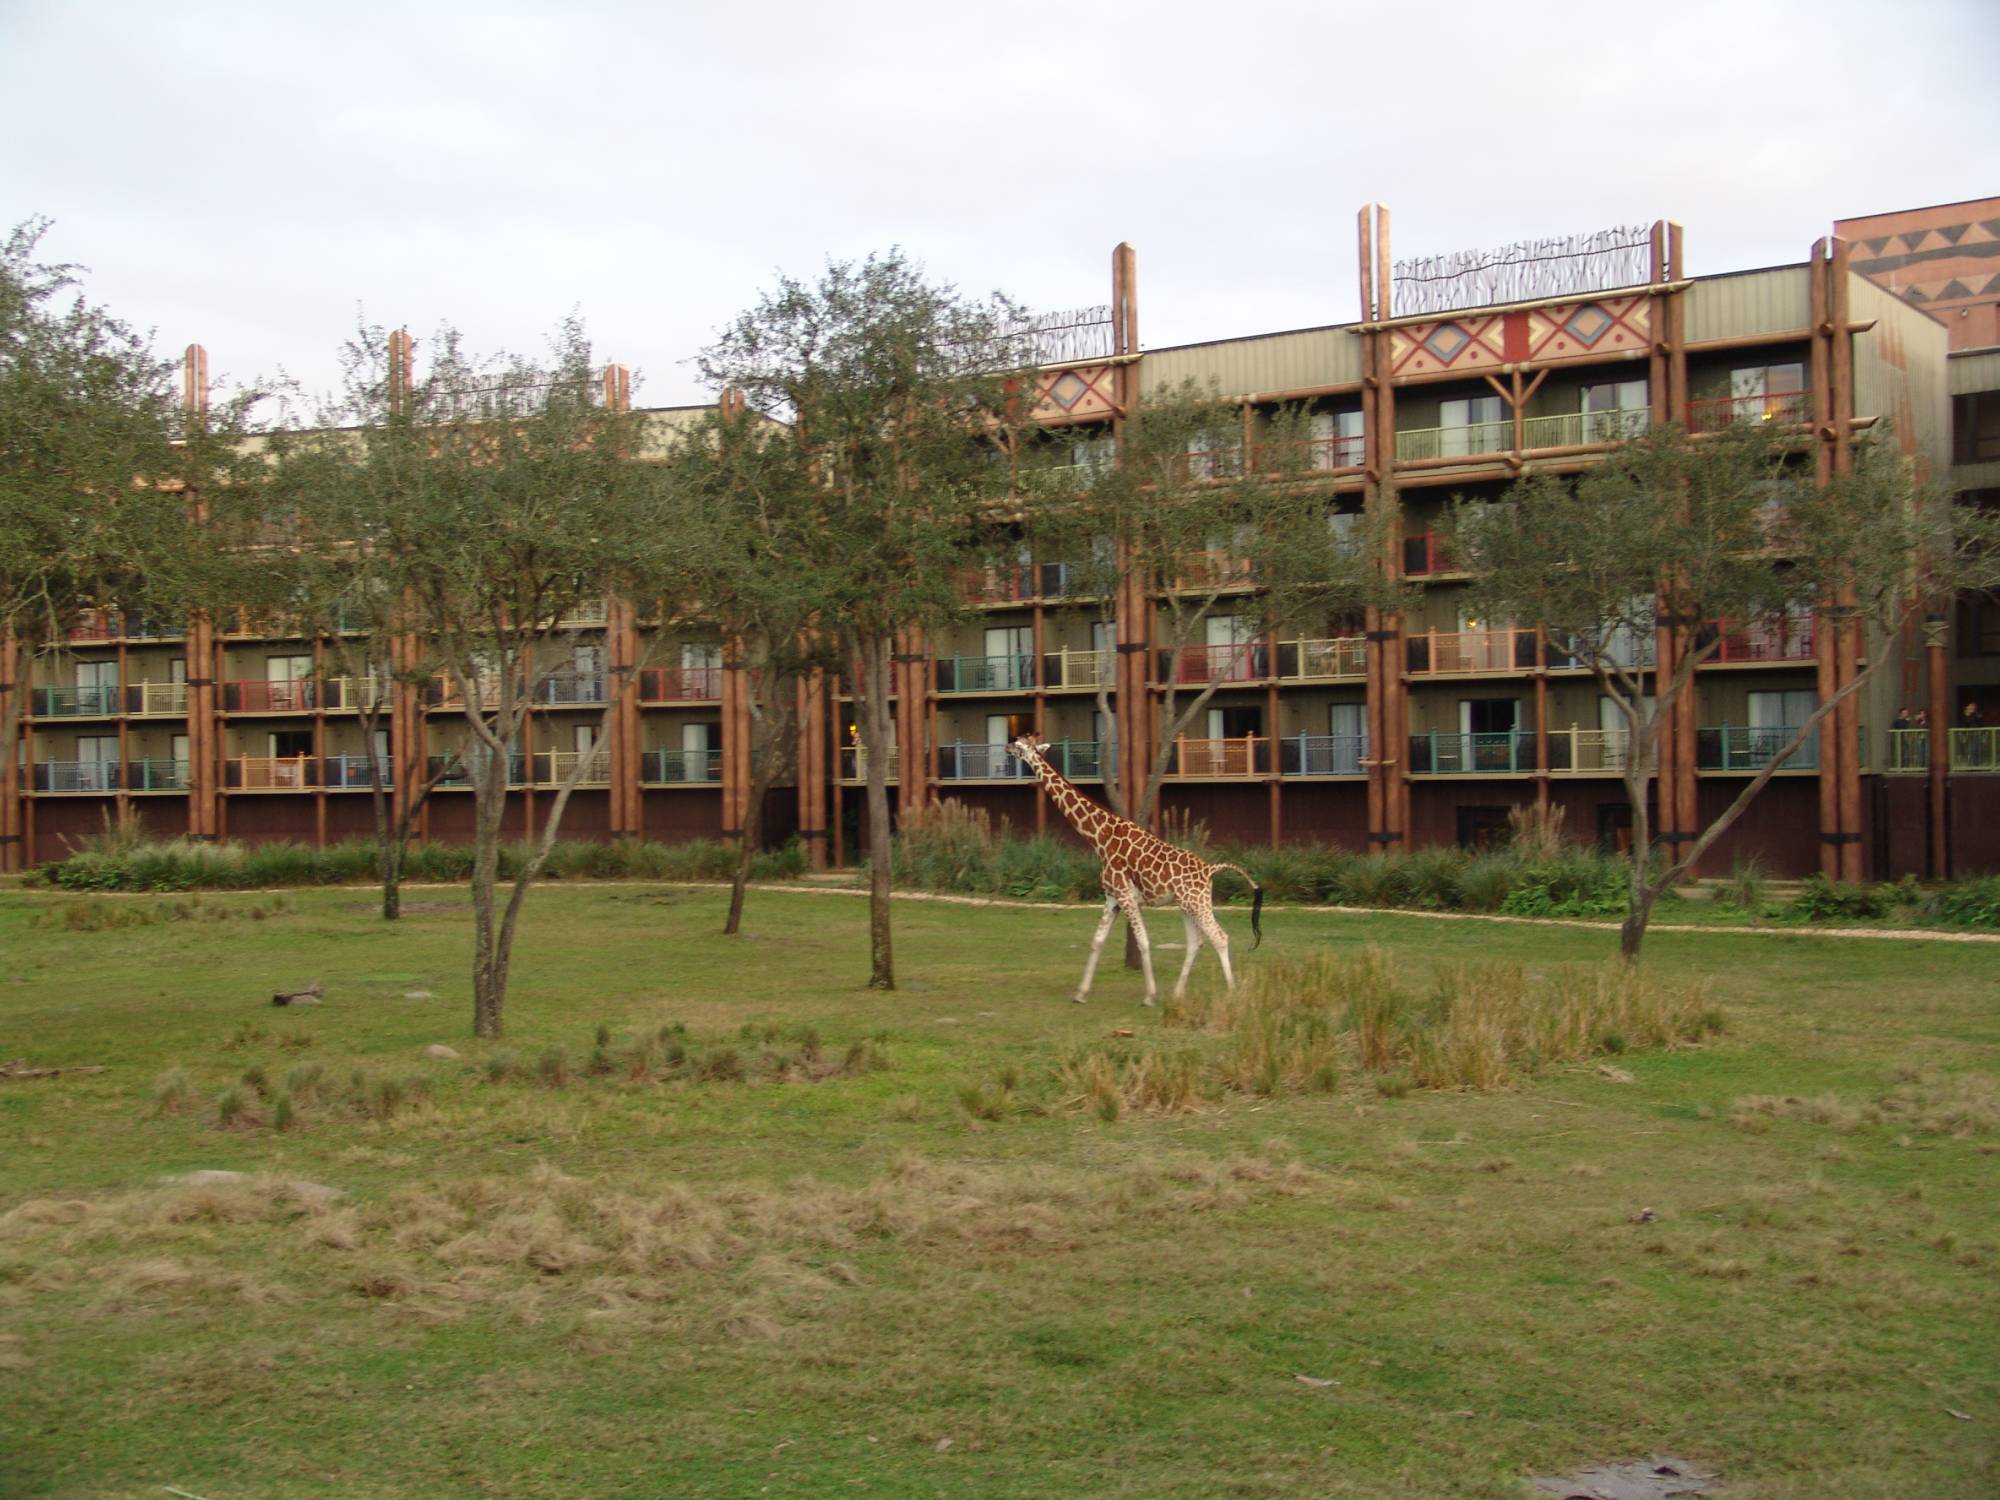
1138	864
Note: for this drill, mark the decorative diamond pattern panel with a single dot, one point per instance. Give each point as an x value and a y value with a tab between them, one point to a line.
1084	391
1585	330
1450	344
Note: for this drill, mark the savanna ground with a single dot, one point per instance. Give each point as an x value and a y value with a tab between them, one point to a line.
837	1279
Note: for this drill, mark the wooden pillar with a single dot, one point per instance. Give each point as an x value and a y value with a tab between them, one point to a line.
12	690
1826	676
1542	720
812	766
1938	712
122	801
626	750
839	825
1277	815
1848	646
319	740
1041	699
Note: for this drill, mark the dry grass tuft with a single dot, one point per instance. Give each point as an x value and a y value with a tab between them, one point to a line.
1954	1104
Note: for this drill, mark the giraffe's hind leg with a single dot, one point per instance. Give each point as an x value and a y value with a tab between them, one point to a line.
1193	947
1135	913
1212	930
1097	945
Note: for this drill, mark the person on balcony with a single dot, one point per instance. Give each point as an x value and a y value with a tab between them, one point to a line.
1971	716
1903	719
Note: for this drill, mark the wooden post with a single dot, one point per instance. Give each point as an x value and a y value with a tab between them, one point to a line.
319	739
11	851
1938	712
1848	647
206	818
1826	680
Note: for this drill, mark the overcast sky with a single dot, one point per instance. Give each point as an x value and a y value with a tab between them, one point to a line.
249	175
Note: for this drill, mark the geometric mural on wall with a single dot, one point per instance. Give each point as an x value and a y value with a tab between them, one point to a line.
1570	330
1079	391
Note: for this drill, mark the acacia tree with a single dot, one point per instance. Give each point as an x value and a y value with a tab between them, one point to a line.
99	469
907	396
1222	531
1689	531
338	488
743	492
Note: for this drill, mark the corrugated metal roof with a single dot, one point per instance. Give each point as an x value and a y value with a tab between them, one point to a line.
1270	362
1776	300
1973	370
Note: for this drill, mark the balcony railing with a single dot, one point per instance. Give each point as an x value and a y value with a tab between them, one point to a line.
1783	638
1970	749
156	775
1469	441
1015	584
1511	649
586	614
444	690
1573	429
680	684
977	760
76	776
1424	554
139	628
1078	669
1245	756
1739	747
352	771
255	695
680	767
1457	753
92	625
157	699
1323	755
854	765
1328	660
270	773
1720	412
570	687
554	767
76	703
985	674
352	694
1247	661
1213	569
1583	752
1622	648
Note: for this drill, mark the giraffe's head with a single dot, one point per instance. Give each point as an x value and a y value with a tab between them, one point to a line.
1029	750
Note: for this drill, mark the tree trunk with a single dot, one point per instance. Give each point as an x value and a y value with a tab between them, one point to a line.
746	849
392	882
488	978
875	650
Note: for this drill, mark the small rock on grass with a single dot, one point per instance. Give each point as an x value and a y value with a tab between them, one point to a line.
440	1050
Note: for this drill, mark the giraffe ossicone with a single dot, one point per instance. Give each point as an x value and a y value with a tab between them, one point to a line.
1136	865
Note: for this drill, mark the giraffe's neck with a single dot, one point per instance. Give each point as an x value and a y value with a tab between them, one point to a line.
1084	815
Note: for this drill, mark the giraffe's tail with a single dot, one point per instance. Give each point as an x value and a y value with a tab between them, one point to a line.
1256	903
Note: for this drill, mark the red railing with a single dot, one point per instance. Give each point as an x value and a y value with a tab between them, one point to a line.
1246	662
1719	412
1424	553
1782	638
996	585
680	684
255	695
93	625
1210	570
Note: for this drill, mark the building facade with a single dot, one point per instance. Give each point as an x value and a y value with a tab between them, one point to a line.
1458	376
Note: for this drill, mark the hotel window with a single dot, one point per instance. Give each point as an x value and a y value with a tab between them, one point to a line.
1473	425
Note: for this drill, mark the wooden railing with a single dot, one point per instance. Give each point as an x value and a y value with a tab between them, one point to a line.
1470	441
156	699
1327	660
1245	756
680	684
1246	661
1575	429
1583	752
1070	668
854	764
1432	652
1714	414
1424	554
1781	638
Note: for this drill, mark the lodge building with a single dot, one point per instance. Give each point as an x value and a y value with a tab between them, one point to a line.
1393	732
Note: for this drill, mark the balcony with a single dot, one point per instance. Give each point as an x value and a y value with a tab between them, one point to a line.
1719	413
680	767
1456	753
1323	755
76	703
1215	568
92	625
985	674
1220	759
270	773
1781	638
1738	747
1247	661
1424	555
157	700
1448	652
586	615
1578	429
255	695
1973	750
76	776
1068	669
680	684
1587	752
1017	584
156	775
1334	659
349	772
352	694
551	768
854	765
563	689
1469	442
976	760
1621	648
444	691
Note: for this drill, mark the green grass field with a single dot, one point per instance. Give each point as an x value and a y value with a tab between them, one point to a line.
846	1283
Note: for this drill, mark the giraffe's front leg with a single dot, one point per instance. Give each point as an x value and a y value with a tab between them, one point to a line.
1135	913
1097	945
